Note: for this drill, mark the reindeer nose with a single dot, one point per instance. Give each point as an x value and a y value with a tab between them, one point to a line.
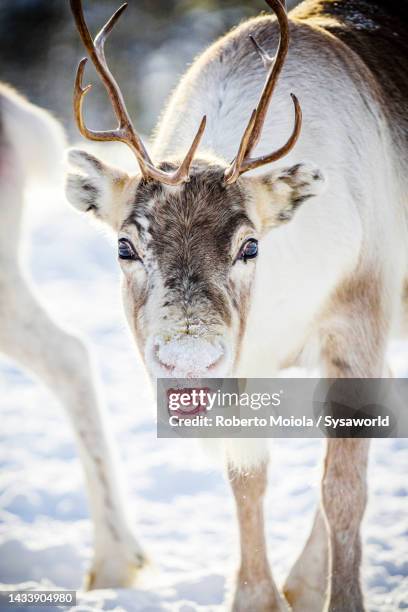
189	357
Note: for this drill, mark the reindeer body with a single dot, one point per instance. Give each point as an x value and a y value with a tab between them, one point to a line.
328	287
351	131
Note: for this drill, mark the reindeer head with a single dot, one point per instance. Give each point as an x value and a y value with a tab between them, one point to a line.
188	232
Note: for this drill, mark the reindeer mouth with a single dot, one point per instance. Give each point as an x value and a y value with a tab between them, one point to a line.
187	402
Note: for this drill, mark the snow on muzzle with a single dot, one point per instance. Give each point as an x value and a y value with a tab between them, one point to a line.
189	357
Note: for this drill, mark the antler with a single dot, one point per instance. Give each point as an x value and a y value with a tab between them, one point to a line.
125	131
243	161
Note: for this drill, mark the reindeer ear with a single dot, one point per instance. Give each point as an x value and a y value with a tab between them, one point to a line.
284	191
98	188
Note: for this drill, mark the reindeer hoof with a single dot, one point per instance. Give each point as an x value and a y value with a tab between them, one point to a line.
115	571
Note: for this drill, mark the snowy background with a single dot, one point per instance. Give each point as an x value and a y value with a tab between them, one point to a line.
181	504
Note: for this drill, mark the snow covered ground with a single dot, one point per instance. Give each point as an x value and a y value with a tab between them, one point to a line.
180	502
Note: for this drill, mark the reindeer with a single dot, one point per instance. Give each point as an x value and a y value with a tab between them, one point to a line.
32	146
226	272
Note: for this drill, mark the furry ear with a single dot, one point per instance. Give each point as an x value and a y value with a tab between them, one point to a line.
98	188
282	192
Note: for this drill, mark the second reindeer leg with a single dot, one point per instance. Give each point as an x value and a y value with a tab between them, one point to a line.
306	586
62	362
255	590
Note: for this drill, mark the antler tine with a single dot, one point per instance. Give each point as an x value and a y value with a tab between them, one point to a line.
79	96
183	172
250	139
267	59
103	34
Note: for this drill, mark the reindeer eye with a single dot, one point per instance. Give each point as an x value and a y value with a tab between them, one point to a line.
249	250
126	250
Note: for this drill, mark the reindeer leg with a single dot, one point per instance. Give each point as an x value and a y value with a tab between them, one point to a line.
344	500
353	344
255	590
62	362
306	586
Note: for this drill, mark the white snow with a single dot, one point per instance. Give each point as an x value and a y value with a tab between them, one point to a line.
181	505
